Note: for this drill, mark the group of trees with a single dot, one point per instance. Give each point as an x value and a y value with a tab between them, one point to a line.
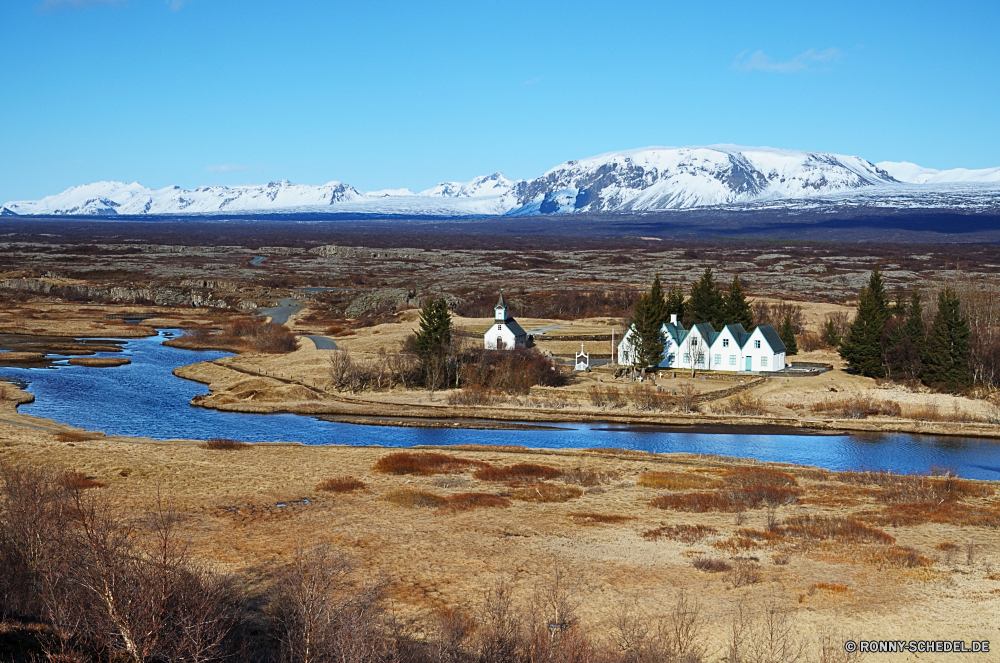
892	340
707	303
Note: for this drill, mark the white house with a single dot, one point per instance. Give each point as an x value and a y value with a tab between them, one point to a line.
732	349
505	334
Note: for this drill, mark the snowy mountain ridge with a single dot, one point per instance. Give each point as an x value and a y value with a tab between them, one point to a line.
641	180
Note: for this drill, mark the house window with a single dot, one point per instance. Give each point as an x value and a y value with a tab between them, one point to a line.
732	360
725	342
763	362
718	359
701	360
499	327
687	358
756	344
694	342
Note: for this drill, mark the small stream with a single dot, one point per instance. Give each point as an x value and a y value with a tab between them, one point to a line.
144	399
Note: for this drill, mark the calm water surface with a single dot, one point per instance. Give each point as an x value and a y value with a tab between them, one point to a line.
145	399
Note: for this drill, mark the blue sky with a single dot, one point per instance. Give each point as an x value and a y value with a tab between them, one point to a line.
407	94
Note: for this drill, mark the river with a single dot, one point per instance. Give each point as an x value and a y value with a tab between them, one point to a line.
144	399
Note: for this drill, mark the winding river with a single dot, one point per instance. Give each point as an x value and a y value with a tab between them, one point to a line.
144	399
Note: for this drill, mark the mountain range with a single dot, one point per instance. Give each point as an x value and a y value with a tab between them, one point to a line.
643	180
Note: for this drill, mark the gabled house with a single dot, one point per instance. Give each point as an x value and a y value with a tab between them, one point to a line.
505	334
733	349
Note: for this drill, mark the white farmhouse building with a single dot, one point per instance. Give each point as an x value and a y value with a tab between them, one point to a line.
703	348
505	334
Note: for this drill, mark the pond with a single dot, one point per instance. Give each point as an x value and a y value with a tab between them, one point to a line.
145	399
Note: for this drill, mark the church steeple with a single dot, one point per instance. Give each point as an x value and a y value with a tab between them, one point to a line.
500	309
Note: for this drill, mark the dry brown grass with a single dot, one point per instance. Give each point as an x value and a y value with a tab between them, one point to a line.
743	404
588	518
676	480
893	557
949	513
917	488
695	502
468	501
223	444
683	533
758	476
859	406
589	478
837	528
340	485
424	463
521	472
80	481
546	492
411	498
74	436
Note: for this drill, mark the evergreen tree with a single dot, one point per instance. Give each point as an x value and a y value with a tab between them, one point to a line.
706	303
830	335
736	308
906	343
658	305
787	336
862	349
647	335
946	356
434	335
675	302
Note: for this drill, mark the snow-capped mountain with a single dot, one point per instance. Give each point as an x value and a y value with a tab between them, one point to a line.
904	171
643	180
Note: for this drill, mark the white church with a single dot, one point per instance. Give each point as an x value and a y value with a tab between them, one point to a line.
702	348
505	334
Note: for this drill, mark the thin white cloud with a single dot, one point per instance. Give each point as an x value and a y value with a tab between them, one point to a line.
226	168
78	4
532	81
760	61
177	5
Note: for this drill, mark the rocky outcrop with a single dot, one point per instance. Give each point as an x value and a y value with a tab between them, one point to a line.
379	301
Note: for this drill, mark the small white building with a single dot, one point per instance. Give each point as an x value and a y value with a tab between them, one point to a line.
702	348
505	334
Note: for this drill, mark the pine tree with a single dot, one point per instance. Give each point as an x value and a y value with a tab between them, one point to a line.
647	333
946	357
434	335
830	335
736	308
906	344
658	305
787	336
675	302
862	349
706	303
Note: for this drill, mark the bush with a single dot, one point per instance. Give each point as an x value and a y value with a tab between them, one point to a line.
711	565
684	533
474	395
951	513
589	518
522	472
80	481
606	398
467	501
508	371
340	485
223	444
424	463
383	371
696	502
843	530
743	404
647	399
859	406
241	335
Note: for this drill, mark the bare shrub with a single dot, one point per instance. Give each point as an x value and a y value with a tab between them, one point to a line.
80	481
340	485
424	462
859	406
521	472
687	398
508	371
606	398
744	572
378	373
468	501
589	478
648	399
323	614
744	404
765	633
810	341
590	518
684	533
838	528
499	632
241	334
475	396
711	565
223	444
768	313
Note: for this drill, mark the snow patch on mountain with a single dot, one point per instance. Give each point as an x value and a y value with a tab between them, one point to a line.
904	171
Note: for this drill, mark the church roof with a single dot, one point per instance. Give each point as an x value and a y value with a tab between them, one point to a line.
500	303
514	327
